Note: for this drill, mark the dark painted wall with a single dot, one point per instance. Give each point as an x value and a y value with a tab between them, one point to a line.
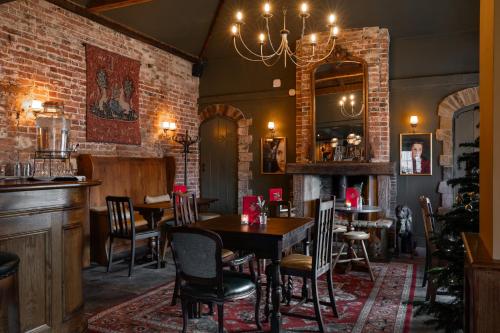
432	44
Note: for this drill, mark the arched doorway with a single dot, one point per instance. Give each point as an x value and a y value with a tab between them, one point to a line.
218	163
244	141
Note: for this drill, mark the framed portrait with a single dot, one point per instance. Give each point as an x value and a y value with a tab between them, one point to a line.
415	154
273	155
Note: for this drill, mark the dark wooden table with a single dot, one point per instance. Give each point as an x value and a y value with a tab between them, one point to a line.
267	242
155	212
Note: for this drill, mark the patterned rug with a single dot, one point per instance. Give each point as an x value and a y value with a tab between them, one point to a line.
364	306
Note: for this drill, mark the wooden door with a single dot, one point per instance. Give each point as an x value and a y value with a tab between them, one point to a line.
218	164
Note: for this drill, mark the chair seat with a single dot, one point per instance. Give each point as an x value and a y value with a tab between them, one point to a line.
225	253
207	216
235	285
356	235
339	228
297	261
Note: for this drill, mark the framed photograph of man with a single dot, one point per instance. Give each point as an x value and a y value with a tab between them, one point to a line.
415	154
273	155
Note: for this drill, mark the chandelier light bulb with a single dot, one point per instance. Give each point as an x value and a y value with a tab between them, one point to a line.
234	30
304	8
341	103
344	98
262	38
239	17
313	39
352	103
332	18
335	31
267	8
351	97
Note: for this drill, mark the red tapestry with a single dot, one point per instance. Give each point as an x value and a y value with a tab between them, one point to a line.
112	97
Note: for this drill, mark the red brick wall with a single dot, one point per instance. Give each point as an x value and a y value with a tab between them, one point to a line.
42	51
372	45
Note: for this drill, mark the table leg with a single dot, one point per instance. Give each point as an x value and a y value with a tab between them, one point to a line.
276	296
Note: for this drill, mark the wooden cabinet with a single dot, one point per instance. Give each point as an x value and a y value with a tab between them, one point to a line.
482	287
43	223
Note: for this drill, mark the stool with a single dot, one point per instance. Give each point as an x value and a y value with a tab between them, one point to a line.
9	295
349	239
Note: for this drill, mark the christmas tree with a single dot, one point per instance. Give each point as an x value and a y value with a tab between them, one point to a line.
448	276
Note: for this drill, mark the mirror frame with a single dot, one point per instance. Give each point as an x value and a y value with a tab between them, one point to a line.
339	56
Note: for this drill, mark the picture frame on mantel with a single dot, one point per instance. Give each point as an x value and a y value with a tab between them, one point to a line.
273	155
415	151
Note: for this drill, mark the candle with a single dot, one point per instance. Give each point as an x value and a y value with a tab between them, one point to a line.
348	204
244	218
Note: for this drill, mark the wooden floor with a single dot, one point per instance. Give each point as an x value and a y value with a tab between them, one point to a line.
103	290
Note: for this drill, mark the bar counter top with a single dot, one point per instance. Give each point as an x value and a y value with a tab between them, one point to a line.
24	184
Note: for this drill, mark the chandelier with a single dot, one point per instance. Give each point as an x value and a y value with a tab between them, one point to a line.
349	111
272	54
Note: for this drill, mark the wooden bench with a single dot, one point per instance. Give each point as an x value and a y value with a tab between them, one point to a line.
121	176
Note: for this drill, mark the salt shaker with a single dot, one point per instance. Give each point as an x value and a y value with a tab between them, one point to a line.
17	169
27	170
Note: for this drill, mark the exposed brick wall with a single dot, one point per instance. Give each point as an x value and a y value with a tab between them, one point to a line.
245	157
372	45
42	50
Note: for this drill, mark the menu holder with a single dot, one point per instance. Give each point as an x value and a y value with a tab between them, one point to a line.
275	194
251	208
352	196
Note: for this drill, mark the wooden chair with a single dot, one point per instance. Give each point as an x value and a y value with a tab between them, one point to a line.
122	225
198	261
313	267
430	247
186	213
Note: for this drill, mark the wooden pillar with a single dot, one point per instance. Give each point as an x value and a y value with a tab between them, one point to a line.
489	82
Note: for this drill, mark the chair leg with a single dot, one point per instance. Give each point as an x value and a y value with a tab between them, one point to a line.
338	256
305	291
317	309
424	281
332	294
220	315
132	258
372	277
110	254
268	295
257	306
290	290
184	303
158	257
176	291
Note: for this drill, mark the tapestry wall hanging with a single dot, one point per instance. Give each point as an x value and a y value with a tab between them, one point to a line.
112	97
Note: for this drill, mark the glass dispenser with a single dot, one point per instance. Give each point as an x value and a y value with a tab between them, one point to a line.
52	131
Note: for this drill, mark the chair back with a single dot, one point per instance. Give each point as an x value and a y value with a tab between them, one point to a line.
120	216
197	255
275	208
323	236
185	208
428	217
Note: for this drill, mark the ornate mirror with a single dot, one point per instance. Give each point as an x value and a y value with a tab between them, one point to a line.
340	100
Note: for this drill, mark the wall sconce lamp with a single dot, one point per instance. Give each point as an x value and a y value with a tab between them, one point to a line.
169	128
271	126
414	122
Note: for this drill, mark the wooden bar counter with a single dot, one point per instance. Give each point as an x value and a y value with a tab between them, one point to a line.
43	223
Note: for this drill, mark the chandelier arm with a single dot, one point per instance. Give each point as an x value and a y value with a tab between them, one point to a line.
269	35
242	55
271	63
255	54
303	27
310	58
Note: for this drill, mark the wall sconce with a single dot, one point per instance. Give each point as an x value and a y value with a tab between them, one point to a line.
414	122
271	127
169	128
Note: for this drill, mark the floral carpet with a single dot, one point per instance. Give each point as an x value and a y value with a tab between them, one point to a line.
364	306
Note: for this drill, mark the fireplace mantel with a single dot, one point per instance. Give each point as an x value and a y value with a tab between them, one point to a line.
343	168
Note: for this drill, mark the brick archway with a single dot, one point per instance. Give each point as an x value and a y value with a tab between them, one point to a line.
245	157
446	111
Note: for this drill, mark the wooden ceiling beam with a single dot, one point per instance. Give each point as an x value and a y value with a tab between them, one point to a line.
211	29
98	6
82	11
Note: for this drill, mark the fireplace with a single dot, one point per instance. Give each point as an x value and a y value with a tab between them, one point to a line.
312	180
